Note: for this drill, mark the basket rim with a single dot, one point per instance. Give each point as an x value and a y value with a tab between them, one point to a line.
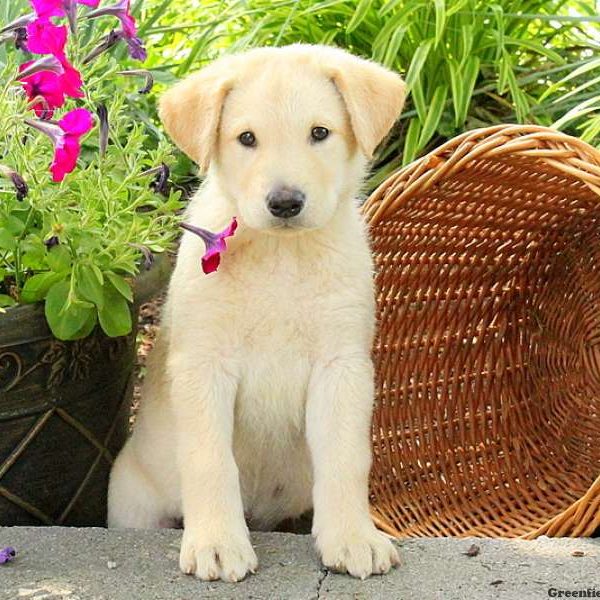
561	152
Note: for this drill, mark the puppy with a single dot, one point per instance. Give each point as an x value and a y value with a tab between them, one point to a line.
258	401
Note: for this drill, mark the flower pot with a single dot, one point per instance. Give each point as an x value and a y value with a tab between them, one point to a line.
64	413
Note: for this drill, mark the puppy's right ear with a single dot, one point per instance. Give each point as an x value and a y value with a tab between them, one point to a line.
191	110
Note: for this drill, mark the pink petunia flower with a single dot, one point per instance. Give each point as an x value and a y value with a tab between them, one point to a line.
43	37
65	135
51	84
47	89
214	242
58	8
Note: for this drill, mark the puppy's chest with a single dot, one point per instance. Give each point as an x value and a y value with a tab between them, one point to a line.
278	335
283	311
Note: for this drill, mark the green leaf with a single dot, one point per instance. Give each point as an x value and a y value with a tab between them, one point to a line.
362	10
434	114
583	108
6	300
575	91
504	71
87	327
7	240
411	142
14	225
417	62
538	47
89	285
588	66
65	317
440	19
98	273
499	14
469	79
518	96
58	258
393	48
115	314
419	100
121	284
37	286
466	41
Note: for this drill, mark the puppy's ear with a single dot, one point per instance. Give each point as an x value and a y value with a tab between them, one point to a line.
374	97
191	110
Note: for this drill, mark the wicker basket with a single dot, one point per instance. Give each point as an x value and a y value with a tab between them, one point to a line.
488	356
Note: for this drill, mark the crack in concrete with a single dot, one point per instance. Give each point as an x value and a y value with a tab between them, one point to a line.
323	572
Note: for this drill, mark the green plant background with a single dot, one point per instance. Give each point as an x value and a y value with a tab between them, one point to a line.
468	63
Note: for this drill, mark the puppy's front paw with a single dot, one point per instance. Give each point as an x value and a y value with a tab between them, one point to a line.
360	552
230	558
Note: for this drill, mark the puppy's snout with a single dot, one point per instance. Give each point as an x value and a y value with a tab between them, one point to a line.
285	202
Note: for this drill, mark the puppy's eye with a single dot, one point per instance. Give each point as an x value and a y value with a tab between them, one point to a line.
318	134
247	139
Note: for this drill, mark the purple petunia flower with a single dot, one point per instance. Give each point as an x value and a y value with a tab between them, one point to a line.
102	113
7	554
18	182
160	183
128	30
52	241
214	242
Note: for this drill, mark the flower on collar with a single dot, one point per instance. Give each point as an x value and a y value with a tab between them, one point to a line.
214	242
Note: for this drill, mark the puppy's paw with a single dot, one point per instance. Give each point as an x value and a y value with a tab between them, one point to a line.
230	558
360	552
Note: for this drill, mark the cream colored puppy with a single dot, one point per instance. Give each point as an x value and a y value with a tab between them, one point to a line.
259	392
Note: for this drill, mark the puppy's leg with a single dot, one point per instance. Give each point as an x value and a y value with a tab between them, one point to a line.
215	541
339	409
133	501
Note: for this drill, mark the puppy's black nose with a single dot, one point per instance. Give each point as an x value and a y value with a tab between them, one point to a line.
285	202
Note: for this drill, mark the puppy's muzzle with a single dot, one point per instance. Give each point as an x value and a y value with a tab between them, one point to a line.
285	202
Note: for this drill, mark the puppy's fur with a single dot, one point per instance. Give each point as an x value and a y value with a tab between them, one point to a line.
259	392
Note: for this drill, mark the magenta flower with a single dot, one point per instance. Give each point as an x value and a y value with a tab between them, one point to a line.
58	8
47	89
43	37
7	554
65	135
59	78
214	242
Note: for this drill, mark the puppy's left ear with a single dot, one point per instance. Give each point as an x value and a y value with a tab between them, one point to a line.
374	97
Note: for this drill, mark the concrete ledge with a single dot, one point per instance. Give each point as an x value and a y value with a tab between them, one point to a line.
97	564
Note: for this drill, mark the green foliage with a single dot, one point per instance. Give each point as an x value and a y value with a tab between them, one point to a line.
100	215
468	63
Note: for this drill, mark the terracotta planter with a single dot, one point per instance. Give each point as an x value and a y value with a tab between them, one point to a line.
64	411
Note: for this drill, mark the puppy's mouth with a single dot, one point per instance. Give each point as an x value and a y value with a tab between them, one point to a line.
287	226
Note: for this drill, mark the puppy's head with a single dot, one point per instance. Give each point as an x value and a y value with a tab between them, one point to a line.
286	131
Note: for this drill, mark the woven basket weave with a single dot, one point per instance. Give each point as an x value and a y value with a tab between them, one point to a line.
488	355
